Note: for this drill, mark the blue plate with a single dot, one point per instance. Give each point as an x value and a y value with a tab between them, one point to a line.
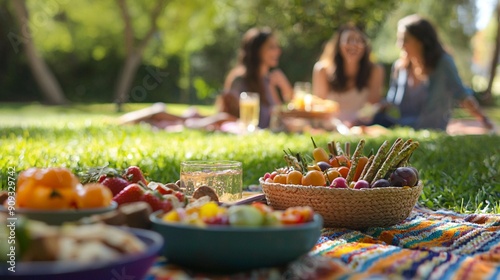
134	266
232	249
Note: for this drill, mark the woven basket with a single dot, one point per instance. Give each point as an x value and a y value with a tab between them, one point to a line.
347	208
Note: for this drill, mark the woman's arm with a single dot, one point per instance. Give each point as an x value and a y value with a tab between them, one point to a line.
320	85
375	84
279	80
471	105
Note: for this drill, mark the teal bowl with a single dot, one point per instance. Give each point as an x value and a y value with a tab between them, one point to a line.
58	217
233	249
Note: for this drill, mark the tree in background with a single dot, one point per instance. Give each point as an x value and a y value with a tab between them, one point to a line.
117	51
134	47
44	77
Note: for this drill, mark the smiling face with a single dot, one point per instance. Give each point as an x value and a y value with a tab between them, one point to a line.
410	45
270	52
352	45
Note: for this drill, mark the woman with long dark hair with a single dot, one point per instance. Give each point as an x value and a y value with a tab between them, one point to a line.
424	82
345	74
256	72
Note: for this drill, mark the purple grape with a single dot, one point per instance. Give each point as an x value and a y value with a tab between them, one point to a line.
381	183
403	176
323	165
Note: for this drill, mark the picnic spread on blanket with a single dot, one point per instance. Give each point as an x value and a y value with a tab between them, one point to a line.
334	215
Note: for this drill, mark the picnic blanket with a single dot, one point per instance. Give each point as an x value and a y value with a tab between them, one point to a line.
427	245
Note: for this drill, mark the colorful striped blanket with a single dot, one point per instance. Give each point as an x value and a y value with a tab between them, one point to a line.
427	245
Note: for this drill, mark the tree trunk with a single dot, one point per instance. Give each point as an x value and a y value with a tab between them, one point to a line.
125	79
488	96
134	53
46	80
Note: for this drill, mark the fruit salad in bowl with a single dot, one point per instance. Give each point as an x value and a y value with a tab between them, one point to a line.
209	237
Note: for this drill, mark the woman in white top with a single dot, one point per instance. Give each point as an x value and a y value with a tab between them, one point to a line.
345	74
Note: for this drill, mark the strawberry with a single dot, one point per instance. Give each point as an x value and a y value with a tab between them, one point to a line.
163	190
153	199
102	178
134	175
166	205
130	193
180	196
115	184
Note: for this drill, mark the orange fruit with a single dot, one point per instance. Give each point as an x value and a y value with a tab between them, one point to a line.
94	195
343	170
280	178
332	173
339	161
294	177
314	178
27	174
43	197
56	177
24	192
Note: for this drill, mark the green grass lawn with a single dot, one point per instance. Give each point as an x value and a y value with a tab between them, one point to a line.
460	173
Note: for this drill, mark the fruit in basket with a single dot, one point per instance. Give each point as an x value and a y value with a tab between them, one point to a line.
403	176
339	183
339	161
319	154
294	177
381	183
361	184
314	178
280	178
332	173
323	165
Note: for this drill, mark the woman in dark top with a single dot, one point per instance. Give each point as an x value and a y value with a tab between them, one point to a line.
424	82
256	72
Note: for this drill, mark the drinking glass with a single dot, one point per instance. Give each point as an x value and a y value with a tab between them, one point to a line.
302	93
302	88
249	110
225	177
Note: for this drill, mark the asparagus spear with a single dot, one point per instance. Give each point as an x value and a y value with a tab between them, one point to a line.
355	159
388	162
377	161
405	153
367	166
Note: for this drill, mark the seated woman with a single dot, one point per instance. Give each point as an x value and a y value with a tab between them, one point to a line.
256	72
424	82
345	74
